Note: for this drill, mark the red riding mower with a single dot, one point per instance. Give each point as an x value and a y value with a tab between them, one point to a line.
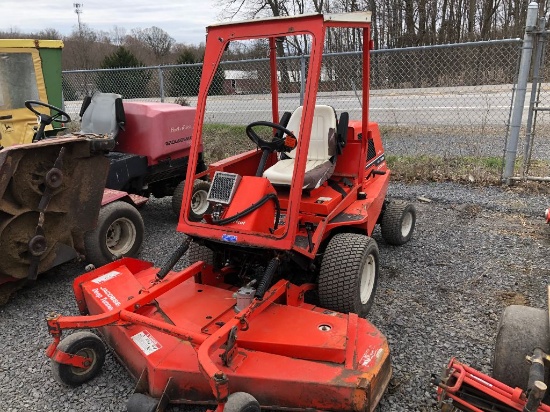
282	268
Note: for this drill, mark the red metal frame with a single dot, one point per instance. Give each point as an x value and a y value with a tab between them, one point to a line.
460	375
295	207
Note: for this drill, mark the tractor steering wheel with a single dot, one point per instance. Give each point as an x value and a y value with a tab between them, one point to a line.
58	112
278	144
44	119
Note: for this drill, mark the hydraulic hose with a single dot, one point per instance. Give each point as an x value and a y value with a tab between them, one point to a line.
170	263
252	208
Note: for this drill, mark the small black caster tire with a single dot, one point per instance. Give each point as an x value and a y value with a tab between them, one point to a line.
139	402
84	344
241	402
398	222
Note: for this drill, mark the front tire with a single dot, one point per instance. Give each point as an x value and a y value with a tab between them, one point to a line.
119	233
84	344
349	274
521	329
139	402
398	222
241	402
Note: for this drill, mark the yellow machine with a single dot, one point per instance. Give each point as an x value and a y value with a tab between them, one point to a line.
29	70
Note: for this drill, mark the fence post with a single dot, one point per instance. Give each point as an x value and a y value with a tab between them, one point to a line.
302	78
161	83
523	75
535	87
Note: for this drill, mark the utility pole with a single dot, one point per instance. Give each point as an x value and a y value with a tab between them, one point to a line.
78	10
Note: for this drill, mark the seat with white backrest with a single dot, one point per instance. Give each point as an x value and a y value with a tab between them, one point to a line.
102	113
321	157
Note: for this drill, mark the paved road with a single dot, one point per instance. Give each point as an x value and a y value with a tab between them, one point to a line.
459	106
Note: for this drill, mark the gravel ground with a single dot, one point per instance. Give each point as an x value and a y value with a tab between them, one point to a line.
475	251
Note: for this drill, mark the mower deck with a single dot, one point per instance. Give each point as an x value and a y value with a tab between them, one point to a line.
184	341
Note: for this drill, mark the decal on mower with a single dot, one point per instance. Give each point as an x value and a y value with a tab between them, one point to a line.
106	297
146	342
369	355
229	238
376	161
107	276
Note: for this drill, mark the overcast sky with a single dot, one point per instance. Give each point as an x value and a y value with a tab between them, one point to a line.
184	20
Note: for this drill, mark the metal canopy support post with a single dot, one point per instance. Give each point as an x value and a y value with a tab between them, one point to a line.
523	75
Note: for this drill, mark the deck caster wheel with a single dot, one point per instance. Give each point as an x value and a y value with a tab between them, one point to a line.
398	221
140	402
241	402
521	329
119	233
199	203
83	344
349	274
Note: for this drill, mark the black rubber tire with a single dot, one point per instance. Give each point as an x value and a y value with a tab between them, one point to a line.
342	270
521	329
117	217
198	252
177	198
398	222
85	344
200	190
139	402
241	402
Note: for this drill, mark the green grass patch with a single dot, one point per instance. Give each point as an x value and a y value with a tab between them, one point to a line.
480	170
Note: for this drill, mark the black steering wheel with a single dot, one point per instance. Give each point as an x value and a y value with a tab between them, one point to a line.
44	119
278	144
58	112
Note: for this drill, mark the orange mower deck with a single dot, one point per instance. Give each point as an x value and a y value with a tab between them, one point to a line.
185	343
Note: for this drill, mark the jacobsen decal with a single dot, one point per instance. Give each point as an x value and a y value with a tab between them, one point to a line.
146	342
376	161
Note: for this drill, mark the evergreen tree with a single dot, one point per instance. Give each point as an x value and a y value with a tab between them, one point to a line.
130	84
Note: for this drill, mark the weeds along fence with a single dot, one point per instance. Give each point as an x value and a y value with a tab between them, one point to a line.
461	93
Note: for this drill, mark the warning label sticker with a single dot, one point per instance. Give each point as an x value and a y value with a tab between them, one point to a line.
146	342
107	276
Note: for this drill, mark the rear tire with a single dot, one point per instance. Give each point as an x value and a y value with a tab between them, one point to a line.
84	344
119	233
199	204
398	221
139	402
241	402
349	274
521	329
198	252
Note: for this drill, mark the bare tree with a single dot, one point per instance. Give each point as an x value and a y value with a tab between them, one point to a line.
159	41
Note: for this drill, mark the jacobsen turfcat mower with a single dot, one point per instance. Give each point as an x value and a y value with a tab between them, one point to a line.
270	310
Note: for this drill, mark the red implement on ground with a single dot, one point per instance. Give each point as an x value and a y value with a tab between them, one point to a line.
464	388
282	269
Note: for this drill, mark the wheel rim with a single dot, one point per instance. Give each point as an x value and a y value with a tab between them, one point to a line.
406	224
120	236
86	353
367	279
199	204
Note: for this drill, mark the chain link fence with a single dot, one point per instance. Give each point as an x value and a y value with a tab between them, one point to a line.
461	93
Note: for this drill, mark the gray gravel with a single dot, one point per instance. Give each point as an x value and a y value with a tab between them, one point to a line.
475	251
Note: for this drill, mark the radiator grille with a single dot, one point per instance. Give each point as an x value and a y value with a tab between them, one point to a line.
223	187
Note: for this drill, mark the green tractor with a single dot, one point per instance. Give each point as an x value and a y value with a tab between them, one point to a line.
35	67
